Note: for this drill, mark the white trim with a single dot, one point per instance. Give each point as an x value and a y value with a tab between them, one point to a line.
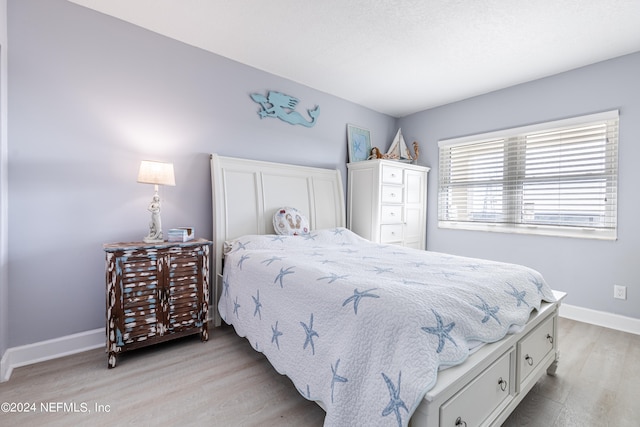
4	185
50	349
601	318
545	126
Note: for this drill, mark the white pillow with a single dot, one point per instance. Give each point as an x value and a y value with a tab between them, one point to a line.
290	222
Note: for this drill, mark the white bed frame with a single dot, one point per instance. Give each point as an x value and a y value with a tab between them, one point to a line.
483	391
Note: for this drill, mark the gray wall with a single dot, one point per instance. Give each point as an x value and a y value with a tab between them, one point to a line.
89	97
586	269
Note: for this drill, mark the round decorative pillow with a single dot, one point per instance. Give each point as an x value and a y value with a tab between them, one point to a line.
290	222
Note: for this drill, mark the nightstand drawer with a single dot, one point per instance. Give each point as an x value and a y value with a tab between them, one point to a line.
391	214
391	194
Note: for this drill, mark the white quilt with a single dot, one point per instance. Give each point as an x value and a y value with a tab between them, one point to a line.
363	327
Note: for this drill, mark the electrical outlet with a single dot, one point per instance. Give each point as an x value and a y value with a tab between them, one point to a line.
619	292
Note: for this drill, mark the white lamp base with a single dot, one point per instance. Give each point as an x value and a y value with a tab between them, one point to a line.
149	240
155	225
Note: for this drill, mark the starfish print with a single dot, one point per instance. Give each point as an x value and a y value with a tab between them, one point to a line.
308	330
411	282
489	312
309	236
236	306
448	274
276	334
333	277
357	296
518	295
283	273
256	300
349	251
327	261
336	378
278	238
225	283
441	331
243	258
272	259
380	270
536	282
395	403
241	245
307	394
338	231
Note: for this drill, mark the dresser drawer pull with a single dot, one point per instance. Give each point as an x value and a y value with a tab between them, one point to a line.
529	360
503	384
550	338
459	422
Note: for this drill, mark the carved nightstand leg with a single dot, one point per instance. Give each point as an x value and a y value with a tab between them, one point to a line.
111	360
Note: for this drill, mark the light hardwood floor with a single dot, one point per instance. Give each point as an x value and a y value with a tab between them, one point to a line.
225	383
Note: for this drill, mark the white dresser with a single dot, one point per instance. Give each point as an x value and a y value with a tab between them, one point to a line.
387	202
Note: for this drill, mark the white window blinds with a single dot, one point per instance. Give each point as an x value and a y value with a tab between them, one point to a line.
557	178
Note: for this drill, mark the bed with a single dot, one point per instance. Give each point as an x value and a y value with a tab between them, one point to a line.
376	334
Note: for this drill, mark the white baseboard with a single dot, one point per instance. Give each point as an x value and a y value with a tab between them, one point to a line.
50	349
601	318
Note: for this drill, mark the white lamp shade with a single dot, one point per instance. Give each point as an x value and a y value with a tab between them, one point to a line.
156	173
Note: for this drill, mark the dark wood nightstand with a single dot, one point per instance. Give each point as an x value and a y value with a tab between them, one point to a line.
155	292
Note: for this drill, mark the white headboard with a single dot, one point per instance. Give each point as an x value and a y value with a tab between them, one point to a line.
246	194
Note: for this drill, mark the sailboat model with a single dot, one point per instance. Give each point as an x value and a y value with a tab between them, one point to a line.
398	149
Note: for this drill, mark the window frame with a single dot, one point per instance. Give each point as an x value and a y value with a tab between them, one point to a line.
510	217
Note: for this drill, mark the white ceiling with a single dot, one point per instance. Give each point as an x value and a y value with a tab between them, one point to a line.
397	56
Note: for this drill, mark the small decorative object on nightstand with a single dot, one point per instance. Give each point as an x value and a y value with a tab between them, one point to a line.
155	292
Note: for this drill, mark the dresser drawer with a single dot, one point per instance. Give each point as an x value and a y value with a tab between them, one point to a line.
534	348
390	214
482	396
392	194
390	233
391	175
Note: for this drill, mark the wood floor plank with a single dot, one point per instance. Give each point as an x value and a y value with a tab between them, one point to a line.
224	382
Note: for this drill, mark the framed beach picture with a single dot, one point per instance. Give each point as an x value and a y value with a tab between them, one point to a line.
359	140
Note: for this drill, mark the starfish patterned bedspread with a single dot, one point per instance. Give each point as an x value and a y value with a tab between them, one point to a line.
363	328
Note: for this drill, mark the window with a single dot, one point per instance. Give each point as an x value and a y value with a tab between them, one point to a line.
557	178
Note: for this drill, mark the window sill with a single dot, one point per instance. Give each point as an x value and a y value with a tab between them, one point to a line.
539	230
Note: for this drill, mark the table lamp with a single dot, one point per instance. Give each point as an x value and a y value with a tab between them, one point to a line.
156	173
